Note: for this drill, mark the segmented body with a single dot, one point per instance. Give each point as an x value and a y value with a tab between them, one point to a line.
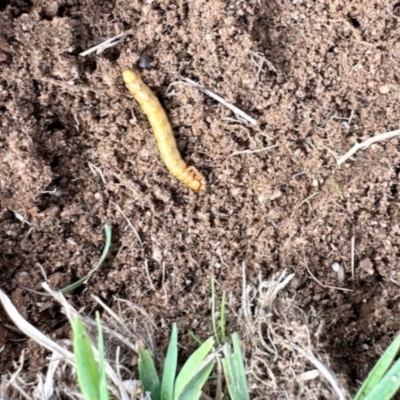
163	132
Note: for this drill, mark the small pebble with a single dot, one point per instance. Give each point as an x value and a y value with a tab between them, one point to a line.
384	89
345	125
145	61
295	283
367	266
98	196
309	375
336	266
276	195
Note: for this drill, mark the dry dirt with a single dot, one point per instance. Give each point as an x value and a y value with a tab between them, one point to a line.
317	75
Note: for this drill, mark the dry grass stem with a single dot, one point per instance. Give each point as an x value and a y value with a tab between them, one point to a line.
323	369
353	240
269	324
248	151
320	283
119	209
106	44
45	389
96	170
30	331
364	145
241	114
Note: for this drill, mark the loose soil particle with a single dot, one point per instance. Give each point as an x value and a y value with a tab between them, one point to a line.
318	76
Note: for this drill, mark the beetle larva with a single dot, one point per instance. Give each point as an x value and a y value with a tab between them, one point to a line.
163	132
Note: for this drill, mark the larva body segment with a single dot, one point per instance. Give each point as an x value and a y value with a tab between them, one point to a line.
163	132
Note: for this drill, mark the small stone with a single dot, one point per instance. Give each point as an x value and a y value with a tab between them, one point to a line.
98	196
295	283
336	266
345	125
366	266
276	195
145	61
309	375
384	89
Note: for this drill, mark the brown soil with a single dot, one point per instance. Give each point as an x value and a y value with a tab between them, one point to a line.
301	68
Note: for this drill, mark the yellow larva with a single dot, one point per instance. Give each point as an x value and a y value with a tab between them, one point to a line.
163	132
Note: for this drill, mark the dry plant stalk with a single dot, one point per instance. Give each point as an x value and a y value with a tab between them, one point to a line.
364	145
278	340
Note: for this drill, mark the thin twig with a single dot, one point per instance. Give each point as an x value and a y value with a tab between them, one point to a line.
320	283
248	151
353	239
163	273
47	387
96	170
119	209
364	145
146	267
21	218
329	375
236	110
32	332
105	45
81	88
109	311
306	200
245	306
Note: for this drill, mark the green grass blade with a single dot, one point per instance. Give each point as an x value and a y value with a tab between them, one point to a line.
338	189
222	320
69	288
107	231
234	371
387	386
213	316
148	375
171	360
192	390
195	338
191	367
86	366
103	387
379	369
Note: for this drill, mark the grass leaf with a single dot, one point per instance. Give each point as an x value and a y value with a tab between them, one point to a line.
148	375
387	386
104	395
86	366
192	390
107	231
69	288
379	370
234	371
222	320
171	360
195	338
191	367
213	316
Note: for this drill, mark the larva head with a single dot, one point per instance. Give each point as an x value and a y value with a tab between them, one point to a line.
132	81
